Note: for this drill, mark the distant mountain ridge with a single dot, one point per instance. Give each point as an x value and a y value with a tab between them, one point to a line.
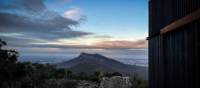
90	63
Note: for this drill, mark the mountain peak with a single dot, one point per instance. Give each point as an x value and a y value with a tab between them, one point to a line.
83	54
91	63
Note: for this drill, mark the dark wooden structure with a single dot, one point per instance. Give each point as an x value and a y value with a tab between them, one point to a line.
174	43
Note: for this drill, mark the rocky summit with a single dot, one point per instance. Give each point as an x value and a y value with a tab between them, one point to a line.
115	82
107	82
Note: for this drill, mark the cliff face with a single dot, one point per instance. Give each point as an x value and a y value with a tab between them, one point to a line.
115	82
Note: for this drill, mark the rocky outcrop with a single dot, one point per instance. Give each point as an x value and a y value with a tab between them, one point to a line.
87	84
106	82
115	82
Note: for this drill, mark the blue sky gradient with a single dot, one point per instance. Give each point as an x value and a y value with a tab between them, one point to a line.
117	18
55	25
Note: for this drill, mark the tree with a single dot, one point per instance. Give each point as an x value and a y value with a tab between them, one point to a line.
116	74
60	73
2	43
7	56
138	82
96	76
8	66
69	74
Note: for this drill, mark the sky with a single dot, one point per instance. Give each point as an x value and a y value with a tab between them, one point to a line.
56	25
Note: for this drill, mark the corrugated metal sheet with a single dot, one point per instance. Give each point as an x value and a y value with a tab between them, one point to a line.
164	12
174	56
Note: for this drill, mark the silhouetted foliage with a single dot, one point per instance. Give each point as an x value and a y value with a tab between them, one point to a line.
8	66
2	43
14	74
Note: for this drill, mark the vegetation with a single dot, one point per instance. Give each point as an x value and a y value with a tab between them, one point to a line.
14	74
138	82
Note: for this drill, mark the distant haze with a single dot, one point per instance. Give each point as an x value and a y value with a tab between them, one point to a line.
128	56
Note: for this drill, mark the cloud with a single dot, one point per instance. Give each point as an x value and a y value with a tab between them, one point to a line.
29	24
102	36
34	5
140	44
122	44
74	14
58	3
34	23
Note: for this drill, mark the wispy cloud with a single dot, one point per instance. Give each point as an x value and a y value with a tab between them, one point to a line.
74	14
122	44
98	45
